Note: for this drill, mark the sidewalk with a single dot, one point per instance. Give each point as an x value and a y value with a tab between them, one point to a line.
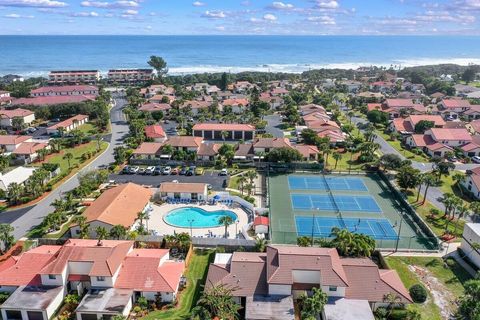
448	249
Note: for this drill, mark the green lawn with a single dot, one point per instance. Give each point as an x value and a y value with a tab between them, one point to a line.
88	128
437	224
77	153
449	186
452	277
196	276
398	146
344	163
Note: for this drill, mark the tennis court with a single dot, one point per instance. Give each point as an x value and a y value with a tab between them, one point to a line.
325	202
325	183
379	229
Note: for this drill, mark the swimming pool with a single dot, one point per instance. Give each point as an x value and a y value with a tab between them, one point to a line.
199	217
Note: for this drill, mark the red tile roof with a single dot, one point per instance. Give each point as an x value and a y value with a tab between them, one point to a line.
57	89
68	122
50	100
224	127
155	131
150	148
260	221
151	107
143	270
19	112
455	103
414	119
399	103
235	102
29	148
450	134
13	139
271	143
184	141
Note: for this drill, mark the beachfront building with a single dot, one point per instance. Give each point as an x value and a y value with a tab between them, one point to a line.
76	90
116	206
274	279
73	76
224	131
110	275
183	191
68	124
7	116
130	76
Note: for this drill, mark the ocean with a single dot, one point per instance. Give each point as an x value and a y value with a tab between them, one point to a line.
37	55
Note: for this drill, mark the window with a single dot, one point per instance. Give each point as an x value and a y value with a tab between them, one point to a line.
52	277
101	278
332	288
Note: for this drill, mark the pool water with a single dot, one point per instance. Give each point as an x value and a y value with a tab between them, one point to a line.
199	217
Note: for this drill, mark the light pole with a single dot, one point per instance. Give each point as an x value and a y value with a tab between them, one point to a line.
399	231
191	230
236	228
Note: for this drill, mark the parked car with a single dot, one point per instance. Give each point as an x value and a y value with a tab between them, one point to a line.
167	170
476	159
223	172
125	170
174	171
150	170
157	171
190	172
142	171
452	159
183	171
133	169
209	186
199	171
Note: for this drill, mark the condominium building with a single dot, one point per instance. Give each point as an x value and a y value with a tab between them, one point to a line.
130	75
73	76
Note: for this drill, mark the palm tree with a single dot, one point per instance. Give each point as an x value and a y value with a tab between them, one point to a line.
143	216
252	175
14	192
249	187
68	156
241	182
102	234
260	244
6	236
337	156
226	221
312	306
458	178
98	138
118	232
81	221
475	208
224	134
428	180
42	153
61	131
421	179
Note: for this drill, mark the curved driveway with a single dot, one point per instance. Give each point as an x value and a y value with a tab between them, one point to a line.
25	219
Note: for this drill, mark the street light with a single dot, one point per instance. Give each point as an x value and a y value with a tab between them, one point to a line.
236	228
399	231
191	230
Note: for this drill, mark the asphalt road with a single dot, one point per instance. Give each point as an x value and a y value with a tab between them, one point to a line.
210	177
25	219
273	125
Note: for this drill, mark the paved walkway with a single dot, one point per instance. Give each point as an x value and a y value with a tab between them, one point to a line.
446	250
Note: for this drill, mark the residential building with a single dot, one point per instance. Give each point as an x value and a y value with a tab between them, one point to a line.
208	151
28	152
453	108
407	125
470	238
130	75
153	107
400	107
185	143
438	141
148	150
471	183
119	205
156	133
196	106
238	105
308	152
109	274
53	100
74	76
351	85
274	102
261	224
8	143
5	98
68	124
6	116
265	145
183	191
224	131
18	175
290	271
77	90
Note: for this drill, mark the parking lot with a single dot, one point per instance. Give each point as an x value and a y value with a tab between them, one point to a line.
211	177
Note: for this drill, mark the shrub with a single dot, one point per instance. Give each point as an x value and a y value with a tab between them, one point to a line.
418	293
3	297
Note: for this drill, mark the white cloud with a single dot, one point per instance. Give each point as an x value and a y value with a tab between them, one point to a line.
17	16
130	12
85	14
269	17
322	20
111	5
199	4
34	3
327	4
214	14
281	5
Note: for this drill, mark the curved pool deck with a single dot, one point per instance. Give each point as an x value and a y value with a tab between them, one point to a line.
157	222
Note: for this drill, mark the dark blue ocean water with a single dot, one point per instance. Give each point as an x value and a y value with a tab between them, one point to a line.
33	55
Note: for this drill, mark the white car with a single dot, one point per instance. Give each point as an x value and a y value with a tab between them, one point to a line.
150	170
167	170
224	172
476	159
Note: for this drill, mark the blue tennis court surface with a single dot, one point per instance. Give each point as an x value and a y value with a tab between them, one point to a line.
379	229
319	183
324	202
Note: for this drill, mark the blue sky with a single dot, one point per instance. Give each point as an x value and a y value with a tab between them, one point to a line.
299	17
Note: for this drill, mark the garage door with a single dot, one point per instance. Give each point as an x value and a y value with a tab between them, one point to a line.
86	316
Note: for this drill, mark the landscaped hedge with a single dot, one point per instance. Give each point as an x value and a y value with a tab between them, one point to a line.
418	293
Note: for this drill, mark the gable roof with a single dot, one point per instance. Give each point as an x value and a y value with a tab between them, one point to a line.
19	112
455	103
182	187
51	100
29	148
184	141
119	205
155	131
208	149
13	139
148	148
271	143
450	134
224	127
68	122
58	89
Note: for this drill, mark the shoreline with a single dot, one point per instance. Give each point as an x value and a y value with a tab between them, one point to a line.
289	68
